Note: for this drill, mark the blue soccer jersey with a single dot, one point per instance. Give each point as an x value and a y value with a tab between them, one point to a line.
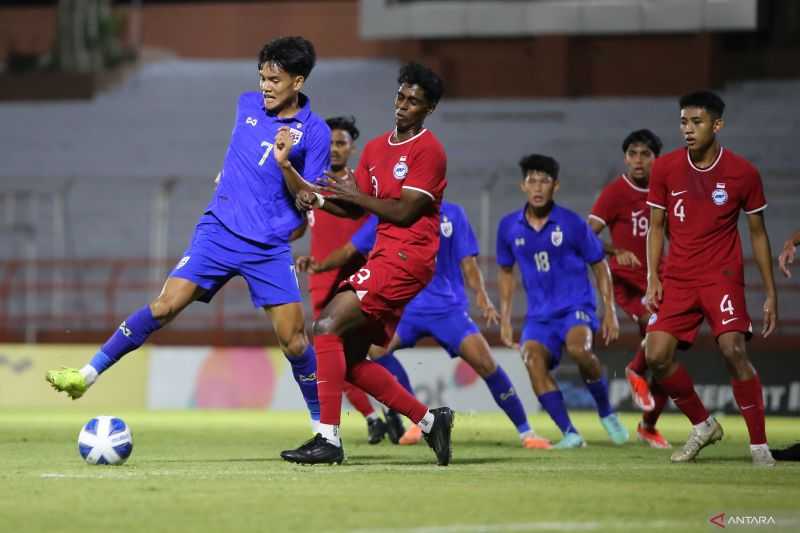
456	243
552	261
252	199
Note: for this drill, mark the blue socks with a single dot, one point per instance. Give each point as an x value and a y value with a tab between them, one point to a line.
304	369
393	365
599	390
553	403
506	398
131	334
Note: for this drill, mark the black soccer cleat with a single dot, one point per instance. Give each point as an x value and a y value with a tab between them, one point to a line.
394	426
316	451
376	430
439	436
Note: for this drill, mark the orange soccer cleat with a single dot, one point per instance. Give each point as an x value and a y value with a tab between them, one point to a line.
640	391
535	442
652	437
412	436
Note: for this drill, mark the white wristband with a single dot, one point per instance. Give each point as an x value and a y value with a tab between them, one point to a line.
320	198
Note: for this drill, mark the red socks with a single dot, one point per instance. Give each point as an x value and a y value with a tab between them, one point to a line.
382	385
358	399
680	387
639	364
659	400
750	399
331	369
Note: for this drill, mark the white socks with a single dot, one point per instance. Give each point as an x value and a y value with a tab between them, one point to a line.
89	374
426	423
330	433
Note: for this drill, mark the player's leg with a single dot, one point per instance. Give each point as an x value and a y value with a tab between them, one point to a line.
629	298
406	335
539	344
289	325
176	294
578	344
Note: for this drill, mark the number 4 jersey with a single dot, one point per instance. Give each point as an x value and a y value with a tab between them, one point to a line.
702	207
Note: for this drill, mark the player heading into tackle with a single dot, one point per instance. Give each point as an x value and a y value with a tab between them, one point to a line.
553	246
697	192
400	178
622	207
246	228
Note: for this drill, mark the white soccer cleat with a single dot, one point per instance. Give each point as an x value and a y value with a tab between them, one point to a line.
762	456
698	439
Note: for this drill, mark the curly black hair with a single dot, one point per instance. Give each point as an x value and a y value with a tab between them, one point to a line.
347	124
431	83
295	55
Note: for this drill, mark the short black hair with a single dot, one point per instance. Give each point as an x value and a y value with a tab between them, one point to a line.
645	137
347	124
431	83
295	55
707	100
539	163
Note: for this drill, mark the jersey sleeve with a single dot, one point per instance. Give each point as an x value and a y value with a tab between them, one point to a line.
466	244
602	210
505	253
754	199
657	195
426	172
364	238
318	153
589	245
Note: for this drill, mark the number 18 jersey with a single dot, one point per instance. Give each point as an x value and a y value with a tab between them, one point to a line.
702	207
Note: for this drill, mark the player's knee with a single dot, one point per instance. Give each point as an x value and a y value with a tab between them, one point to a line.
484	366
163	308
324	325
658	360
734	352
535	359
295	345
579	352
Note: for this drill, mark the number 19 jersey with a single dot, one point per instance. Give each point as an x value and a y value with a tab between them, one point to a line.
702	207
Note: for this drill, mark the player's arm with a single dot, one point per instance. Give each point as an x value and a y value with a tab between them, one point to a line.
655	247
763	256
602	275
474	278
506	284
337	258
624	257
787	255
402	211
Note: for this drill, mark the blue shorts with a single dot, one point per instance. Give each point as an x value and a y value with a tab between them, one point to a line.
449	329
552	333
216	254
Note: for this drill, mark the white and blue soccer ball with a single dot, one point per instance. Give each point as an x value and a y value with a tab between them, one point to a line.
105	440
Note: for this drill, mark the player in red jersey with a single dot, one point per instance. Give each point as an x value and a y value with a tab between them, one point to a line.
400	178
328	233
787	254
622	207
697	192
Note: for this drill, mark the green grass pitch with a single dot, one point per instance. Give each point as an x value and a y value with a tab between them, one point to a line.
215	471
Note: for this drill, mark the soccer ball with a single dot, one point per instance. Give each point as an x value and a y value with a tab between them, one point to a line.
105	440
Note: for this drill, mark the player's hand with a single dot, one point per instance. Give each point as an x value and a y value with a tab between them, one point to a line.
343	188
787	257
488	310
306	263
282	147
305	201
507	334
654	294
627	258
610	326
770	316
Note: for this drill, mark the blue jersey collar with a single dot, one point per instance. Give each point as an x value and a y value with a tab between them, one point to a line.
555	217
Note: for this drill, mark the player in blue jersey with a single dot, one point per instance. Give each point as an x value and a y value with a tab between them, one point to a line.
441	311
553	246
246	228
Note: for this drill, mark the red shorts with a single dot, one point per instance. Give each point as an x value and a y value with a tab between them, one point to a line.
630	298
384	289
682	310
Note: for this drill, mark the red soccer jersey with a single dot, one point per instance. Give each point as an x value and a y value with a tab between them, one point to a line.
385	169
329	232
622	206
702	208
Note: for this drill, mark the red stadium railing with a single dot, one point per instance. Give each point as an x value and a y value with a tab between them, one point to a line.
81	300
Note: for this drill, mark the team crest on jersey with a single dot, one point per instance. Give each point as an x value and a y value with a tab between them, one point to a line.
447	227
400	169
296	135
557	237
720	195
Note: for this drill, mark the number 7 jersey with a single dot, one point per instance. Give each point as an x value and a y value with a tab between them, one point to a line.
702	207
